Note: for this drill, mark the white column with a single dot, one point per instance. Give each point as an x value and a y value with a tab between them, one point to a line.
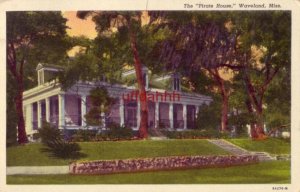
121	108
61	110
28	117
184	116
197	111
39	113
156	115
138	112
103	117
147	81
47	109
171	113
83	110
31	117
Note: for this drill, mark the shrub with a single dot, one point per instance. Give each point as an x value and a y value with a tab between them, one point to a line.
36	136
115	132
83	135
209	117
195	134
120	132
240	121
54	143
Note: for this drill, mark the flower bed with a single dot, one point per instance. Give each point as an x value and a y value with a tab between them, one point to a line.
159	163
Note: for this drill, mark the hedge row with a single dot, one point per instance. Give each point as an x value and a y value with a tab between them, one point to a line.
195	134
158	163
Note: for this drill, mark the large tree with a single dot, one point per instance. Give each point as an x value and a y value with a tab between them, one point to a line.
264	52
127	23
201	41
32	37
251	43
134	45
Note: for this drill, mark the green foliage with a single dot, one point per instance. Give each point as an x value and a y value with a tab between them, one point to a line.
195	134
270	145
22	155
39	37
239	121
55	145
201	82
32	37
116	132
120	132
209	117
83	135
99	60
101	103
278	99
11	116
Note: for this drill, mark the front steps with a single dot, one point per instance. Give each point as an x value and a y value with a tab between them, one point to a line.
156	134
158	138
263	156
236	150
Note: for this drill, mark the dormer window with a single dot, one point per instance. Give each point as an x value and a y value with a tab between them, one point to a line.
47	73
40	77
176	82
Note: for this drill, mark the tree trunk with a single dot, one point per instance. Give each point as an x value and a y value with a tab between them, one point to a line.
253	132
225	98
22	137
260	126
18	75
224	119
143	127
257	125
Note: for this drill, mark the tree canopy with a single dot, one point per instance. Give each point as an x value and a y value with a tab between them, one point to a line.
32	37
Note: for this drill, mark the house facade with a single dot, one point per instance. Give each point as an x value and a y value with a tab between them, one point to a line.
169	107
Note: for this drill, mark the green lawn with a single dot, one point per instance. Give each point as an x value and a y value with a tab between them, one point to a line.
270	145
30	154
265	172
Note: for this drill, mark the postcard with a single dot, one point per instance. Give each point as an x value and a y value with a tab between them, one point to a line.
150	95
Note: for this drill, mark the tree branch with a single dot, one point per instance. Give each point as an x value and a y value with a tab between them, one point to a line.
12	65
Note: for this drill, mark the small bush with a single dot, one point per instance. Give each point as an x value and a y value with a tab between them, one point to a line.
36	136
240	122
115	132
54	143
209	117
119	132
83	135
195	134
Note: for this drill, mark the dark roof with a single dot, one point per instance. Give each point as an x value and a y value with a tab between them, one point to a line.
43	65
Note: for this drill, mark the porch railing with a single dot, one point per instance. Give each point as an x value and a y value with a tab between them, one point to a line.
130	123
164	123
178	124
73	120
112	120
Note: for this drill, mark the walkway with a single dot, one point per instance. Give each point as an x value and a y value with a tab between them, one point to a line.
37	170
236	150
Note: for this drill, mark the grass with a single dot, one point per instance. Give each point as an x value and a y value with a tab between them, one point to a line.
265	172
30	154
270	145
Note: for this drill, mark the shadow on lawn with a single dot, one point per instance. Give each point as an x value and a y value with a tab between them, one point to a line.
62	149
56	146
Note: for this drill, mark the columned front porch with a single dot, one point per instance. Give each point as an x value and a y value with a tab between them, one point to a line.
62	111
68	111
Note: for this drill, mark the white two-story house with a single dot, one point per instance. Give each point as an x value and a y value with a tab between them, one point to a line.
169	107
